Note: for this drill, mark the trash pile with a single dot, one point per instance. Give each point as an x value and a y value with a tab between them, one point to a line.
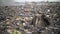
30	19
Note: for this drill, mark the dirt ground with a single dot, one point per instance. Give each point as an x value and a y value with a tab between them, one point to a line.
33	18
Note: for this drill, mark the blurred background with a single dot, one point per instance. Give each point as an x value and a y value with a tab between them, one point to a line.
14	2
29	16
